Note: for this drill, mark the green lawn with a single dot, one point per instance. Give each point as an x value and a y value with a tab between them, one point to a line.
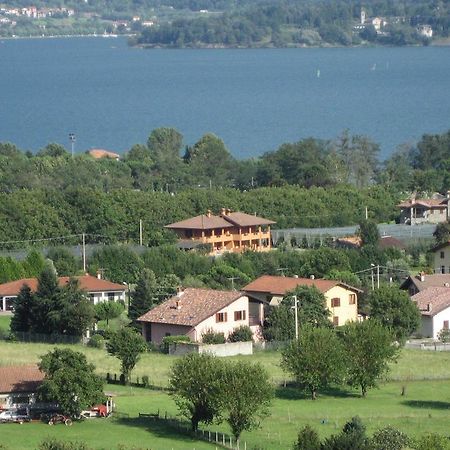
4	323
424	408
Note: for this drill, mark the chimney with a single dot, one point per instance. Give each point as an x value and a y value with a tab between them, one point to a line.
180	292
295	276
208	213
312	277
228	211
223	212
99	274
422	276
178	304
429	307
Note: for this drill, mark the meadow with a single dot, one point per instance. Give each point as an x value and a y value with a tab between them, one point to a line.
425	407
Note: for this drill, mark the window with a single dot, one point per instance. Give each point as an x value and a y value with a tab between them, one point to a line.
336	321
240	315
352	299
110	296
221	317
335	302
442	269
442	255
445	327
167	334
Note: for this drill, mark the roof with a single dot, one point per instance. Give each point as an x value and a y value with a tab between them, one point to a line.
426	203
277	285
435	280
20	379
202	222
194	306
88	283
391	242
225	220
98	153
432	301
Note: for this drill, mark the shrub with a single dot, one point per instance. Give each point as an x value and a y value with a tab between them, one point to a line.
213	337
444	335
54	444
308	439
167	340
432	441
96	341
389	438
145	381
241	334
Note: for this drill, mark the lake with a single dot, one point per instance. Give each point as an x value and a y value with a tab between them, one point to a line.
112	96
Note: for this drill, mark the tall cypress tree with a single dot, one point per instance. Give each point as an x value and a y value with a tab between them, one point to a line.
144	295
22	317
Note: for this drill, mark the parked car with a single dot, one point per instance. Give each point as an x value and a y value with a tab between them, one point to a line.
15	415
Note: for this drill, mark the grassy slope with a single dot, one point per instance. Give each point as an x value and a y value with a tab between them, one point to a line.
424	408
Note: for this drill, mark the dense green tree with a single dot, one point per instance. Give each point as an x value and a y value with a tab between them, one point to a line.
64	261
312	306
70	381
352	437
369	349
108	310
196	382
442	233
10	269
127	345
316	359
53	150
394	309
144	295
389	438
34	264
368	232
248	393
22	318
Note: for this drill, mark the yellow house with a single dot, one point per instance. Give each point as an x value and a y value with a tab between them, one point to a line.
227	232
342	299
442	258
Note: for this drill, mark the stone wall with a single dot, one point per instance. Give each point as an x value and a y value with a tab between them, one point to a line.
228	349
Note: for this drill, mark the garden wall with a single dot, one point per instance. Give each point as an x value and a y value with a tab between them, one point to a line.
228	349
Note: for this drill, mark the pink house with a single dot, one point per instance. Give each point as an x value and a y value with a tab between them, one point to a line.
193	311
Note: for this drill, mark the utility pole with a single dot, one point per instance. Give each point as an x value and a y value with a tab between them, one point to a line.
140	232
367	213
378	276
232	282
371	275
84	253
296	315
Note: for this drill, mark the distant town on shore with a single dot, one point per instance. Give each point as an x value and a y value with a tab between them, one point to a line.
223	23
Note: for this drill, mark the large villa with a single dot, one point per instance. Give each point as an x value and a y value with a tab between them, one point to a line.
228	231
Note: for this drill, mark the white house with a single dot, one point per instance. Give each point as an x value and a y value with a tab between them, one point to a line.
193	311
98	290
434	306
18	385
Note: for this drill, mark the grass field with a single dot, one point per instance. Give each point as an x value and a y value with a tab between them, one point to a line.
4	323
424	408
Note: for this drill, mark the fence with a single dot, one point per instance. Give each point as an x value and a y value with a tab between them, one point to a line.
219	438
401	231
46	338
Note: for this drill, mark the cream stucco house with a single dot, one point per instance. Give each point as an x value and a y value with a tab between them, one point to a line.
193	311
342	299
434	306
442	258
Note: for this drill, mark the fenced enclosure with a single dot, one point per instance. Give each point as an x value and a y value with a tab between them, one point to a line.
400	231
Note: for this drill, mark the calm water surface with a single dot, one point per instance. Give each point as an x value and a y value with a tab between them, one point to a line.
112	96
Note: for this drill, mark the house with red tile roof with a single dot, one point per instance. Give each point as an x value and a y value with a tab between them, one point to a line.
434	306
414	211
18	385
194	311
227	232
97	289
341	299
422	281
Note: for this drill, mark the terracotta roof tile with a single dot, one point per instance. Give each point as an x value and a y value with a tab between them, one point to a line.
435	280
427	203
277	285
20	379
194	306
246	220
87	282
432	300
203	222
98	153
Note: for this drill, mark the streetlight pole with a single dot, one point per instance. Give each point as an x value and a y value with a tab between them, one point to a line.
72	139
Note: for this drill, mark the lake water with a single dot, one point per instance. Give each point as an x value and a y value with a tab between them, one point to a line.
112	96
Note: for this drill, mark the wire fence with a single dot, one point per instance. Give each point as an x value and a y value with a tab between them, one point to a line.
400	231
